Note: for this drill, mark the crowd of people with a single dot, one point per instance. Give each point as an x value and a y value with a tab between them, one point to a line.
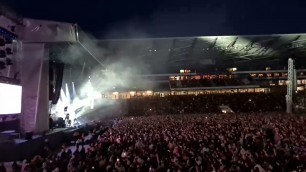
214	142
185	133
209	103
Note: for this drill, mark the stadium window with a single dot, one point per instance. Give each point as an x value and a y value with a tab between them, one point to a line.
232	69
172	78
269	75
149	93
281	82
284	74
182	71
260	75
259	90
276	74
197	77
191	93
253	74
213	76
301	88
242	90
200	92
299	82
222	76
184	93
250	90
268	68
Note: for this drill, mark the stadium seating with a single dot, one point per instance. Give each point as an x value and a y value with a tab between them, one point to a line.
199	104
205	83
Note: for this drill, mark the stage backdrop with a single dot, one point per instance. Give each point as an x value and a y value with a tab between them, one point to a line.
35	83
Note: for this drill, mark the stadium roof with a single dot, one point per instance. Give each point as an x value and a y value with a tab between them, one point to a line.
202	53
206	53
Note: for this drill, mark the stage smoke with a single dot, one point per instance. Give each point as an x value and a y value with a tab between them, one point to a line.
90	80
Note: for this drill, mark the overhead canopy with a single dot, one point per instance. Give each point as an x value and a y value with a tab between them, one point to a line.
206	53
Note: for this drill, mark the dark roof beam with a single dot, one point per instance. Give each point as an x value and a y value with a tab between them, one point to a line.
171	49
232	44
263	51
299	41
296	38
249	46
214	43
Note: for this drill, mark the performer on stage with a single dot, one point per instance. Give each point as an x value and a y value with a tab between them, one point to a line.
67	119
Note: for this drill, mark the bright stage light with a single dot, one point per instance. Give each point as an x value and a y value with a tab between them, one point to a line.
73	89
74	102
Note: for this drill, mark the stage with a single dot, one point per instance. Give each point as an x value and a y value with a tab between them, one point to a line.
20	149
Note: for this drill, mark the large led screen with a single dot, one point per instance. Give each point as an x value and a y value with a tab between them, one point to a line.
10	99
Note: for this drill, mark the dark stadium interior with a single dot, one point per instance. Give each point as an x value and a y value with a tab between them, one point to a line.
70	101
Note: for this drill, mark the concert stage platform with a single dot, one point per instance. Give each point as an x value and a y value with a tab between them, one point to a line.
20	149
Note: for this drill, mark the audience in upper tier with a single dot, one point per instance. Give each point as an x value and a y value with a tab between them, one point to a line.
191	104
206	82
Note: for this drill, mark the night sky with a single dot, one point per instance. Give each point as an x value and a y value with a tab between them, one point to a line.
156	18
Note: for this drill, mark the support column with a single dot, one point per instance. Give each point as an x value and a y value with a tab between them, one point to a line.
291	85
35	84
